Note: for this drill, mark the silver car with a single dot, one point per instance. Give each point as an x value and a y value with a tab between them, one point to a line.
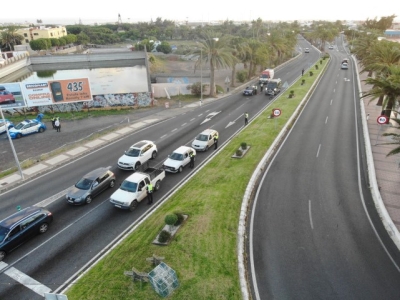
90	185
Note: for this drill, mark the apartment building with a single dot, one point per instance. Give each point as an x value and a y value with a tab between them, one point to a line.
40	32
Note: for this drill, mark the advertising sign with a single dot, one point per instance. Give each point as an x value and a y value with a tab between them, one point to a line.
56	91
10	96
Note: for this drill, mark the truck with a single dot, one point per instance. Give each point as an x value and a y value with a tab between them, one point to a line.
134	188
265	76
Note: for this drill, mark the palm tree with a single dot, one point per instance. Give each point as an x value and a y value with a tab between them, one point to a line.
238	46
396	136
216	51
10	38
387	86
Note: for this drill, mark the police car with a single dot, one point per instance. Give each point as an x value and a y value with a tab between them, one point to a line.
4	124
26	127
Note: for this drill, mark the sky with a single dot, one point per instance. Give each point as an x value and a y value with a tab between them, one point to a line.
89	12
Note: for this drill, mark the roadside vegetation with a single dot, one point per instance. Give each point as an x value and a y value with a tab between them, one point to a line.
204	251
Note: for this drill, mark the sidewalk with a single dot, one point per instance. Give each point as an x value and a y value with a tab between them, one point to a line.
387	169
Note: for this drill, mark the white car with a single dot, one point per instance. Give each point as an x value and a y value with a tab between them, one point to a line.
344	66
204	140
178	159
137	155
307	50
4	124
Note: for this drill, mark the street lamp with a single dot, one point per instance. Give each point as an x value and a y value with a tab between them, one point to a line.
201	76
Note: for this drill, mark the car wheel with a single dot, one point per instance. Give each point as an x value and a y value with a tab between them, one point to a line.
43	228
19	135
112	183
41	129
180	169
88	199
157	186
137	166
134	204
206	148
154	155
2	255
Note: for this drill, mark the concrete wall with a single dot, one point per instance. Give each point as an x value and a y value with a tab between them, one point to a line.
14	64
90	57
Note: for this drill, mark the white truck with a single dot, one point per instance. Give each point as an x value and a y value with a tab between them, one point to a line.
266	76
133	189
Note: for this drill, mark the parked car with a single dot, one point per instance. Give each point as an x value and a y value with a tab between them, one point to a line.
307	50
4	124
178	159
6	97
21	226
26	127
204	140
250	91
137	155
90	185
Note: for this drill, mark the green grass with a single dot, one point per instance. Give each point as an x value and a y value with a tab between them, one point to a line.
204	251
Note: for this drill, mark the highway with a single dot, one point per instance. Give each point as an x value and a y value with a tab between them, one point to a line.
80	234
314	232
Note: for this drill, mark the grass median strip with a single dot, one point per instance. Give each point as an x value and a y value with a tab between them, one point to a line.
204	251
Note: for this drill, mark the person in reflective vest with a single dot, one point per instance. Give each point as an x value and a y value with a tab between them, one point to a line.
149	193
246	118
215	141
191	155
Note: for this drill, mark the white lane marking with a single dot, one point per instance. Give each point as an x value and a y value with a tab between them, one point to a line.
331	101
207	110
27	281
163	136
174	129
326	120
53	198
319	147
309	212
183	124
334	90
200	115
192	119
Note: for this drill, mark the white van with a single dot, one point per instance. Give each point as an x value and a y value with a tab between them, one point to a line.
204	140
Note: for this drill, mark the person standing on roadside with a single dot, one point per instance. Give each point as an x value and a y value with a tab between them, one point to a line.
246	118
57	124
216	141
149	189
53	122
191	164
302	72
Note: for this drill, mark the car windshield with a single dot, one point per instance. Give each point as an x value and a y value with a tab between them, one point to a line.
3	233
129	186
202	137
176	156
84	184
271	85
19	126
134	152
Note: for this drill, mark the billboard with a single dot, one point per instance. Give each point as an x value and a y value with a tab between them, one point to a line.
11	96
56	91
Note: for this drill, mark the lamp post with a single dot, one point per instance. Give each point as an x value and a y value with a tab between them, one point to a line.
201	76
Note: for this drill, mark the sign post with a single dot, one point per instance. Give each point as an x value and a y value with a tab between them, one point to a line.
276	112
381	120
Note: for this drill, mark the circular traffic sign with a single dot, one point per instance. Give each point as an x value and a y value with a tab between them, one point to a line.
382	119
277	112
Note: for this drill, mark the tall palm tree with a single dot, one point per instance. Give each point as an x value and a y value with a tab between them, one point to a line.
214	50
10	38
239	46
396	136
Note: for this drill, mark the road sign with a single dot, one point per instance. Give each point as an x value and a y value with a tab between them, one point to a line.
277	112
382	119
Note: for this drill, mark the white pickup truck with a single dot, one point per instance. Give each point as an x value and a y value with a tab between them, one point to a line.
133	189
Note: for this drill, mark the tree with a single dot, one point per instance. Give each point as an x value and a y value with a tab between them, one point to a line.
40	44
396	136
82	38
164	47
214	50
10	38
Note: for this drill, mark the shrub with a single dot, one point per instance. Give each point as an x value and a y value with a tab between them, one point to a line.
242	75
320	62
180	219
243	145
171	219
290	96
303	81
311	73
316	67
239	152
292	92
164	236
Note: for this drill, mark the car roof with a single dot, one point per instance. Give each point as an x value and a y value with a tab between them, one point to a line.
141	144
182	149
95	173
22	214
208	131
29	121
